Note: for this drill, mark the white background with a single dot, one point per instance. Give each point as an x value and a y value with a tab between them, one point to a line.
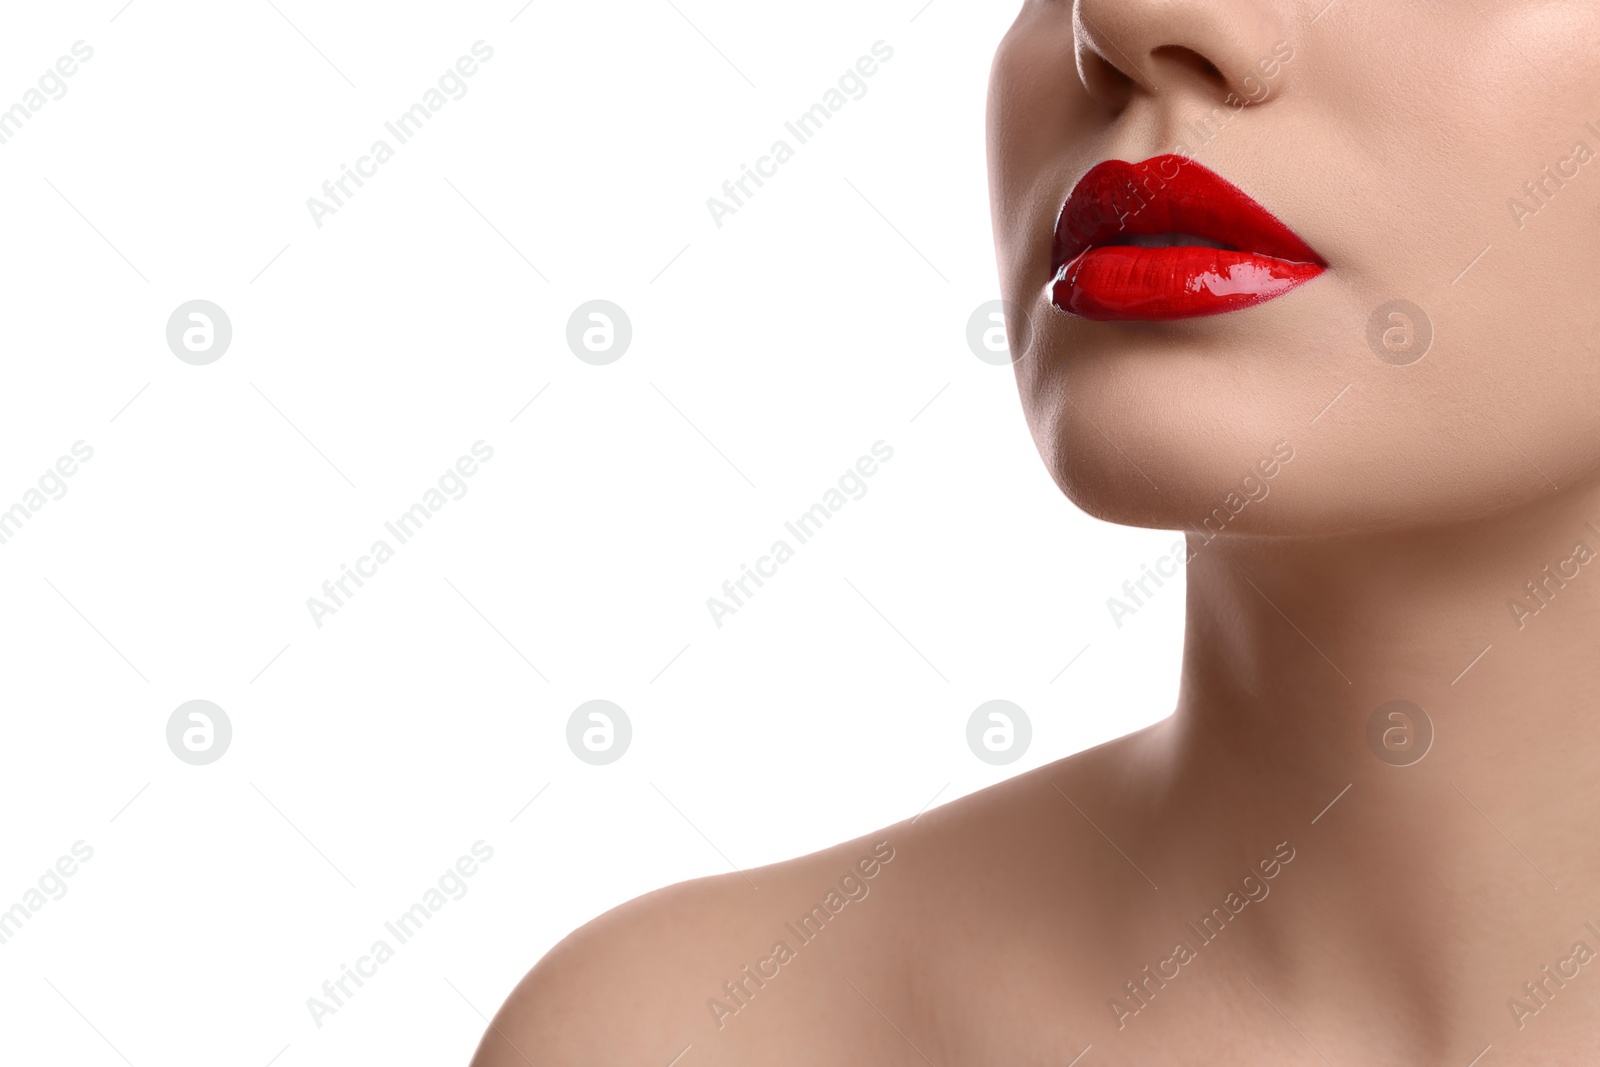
369	754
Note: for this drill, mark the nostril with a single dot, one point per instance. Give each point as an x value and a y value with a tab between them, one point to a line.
1178	55
1104	81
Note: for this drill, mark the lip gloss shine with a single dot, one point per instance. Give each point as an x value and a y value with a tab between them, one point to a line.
1169	239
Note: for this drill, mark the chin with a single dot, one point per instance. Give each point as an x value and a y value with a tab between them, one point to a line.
1221	493
1146	427
1156	448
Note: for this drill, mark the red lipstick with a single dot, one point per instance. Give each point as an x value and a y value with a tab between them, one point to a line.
1169	239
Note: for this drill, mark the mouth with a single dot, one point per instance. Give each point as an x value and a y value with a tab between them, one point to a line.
1169	239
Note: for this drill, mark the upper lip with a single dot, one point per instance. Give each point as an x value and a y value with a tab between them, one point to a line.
1169	195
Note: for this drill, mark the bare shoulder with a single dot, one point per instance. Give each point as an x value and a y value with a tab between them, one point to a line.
834	957
722	965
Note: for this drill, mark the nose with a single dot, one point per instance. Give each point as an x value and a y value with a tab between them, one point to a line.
1219	48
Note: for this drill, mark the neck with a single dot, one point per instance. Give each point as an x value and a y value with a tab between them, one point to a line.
1453	860
1490	629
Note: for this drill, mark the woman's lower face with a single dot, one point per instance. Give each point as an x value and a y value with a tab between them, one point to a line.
1444	167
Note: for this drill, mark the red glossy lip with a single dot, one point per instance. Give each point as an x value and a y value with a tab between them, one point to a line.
1104	272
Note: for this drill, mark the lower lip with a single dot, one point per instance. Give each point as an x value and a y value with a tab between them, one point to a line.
1132	283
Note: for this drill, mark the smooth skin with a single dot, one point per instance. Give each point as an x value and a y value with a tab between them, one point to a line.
1398	141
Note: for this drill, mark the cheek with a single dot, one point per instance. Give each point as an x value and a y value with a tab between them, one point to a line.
1040	127
1474	204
